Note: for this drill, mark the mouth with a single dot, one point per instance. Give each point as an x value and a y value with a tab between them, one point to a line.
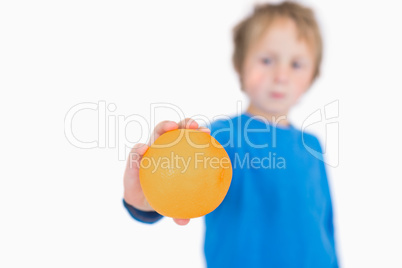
277	95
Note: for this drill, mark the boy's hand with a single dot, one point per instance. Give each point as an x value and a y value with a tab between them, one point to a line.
133	193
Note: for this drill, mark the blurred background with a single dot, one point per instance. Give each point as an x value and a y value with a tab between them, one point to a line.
61	204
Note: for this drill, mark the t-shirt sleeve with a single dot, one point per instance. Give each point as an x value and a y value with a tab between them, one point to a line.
329	219
142	216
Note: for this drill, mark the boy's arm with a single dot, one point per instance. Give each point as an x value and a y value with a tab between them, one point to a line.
329	223
142	216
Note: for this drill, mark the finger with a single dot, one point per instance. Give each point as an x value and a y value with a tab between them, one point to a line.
139	148
161	128
135	156
204	129
181	221
188	123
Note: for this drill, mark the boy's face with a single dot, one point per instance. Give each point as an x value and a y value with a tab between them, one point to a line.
278	69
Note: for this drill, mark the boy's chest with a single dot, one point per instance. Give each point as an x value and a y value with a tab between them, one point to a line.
276	176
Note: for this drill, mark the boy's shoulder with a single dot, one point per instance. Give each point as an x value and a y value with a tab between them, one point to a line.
310	141
225	127
224	122
238	122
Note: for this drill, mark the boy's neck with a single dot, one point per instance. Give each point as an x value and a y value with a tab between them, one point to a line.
278	119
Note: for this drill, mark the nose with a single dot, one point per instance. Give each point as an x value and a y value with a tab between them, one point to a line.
281	74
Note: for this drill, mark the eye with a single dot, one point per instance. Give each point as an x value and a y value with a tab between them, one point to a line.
267	61
296	65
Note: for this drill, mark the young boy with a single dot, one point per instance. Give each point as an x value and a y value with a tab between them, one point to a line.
277	212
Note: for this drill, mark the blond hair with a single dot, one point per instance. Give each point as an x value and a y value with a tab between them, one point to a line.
250	29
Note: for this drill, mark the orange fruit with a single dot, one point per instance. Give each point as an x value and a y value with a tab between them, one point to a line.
185	174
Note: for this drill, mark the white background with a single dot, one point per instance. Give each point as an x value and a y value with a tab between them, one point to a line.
61	206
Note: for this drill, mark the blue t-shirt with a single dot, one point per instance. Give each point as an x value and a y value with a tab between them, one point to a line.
278	211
